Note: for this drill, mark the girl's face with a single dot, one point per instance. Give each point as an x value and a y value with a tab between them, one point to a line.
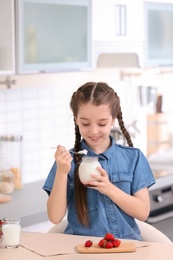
94	124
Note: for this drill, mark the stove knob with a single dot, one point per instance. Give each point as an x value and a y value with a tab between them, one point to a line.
158	198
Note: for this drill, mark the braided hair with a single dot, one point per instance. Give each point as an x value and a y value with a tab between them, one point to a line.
97	94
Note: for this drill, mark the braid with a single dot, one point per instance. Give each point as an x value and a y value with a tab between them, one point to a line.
123	129
80	189
77	143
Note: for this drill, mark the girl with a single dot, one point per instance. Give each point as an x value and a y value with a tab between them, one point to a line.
113	200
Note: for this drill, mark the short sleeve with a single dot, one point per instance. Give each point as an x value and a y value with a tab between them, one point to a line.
143	175
50	179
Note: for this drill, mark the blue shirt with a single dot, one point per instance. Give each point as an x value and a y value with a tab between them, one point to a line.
129	170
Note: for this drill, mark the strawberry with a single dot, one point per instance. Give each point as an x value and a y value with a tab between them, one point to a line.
2	221
116	242
88	243
102	242
109	237
108	244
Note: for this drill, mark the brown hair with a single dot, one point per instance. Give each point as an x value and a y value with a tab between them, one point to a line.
97	94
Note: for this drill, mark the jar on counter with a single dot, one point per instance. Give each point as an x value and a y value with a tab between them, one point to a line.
88	167
6	179
10	152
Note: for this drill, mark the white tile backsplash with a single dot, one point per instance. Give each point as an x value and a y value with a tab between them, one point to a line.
38	109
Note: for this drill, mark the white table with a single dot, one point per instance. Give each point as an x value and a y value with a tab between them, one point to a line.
35	246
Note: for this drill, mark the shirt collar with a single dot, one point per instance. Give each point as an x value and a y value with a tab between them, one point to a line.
106	155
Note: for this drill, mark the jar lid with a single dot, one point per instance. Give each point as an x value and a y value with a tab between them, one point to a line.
10	138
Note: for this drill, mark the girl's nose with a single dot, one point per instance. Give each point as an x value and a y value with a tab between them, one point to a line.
93	129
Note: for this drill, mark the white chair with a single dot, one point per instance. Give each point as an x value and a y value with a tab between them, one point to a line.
59	228
152	234
148	232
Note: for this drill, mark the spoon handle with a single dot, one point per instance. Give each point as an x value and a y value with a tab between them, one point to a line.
70	151
80	152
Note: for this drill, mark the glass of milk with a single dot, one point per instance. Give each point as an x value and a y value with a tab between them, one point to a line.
11	232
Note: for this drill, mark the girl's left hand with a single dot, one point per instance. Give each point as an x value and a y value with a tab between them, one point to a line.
102	182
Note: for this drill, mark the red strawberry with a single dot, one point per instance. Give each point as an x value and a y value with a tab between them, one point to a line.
116	242
109	236
102	242
108	244
88	243
2	221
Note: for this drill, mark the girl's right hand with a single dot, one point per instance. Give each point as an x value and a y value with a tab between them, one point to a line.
63	159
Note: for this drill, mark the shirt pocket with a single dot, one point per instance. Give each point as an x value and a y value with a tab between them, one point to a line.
123	181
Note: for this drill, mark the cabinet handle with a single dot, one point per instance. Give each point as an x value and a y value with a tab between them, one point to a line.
8	82
120	20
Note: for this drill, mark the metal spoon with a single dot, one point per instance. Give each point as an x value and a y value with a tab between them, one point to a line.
80	152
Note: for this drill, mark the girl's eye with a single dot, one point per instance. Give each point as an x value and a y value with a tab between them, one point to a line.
101	125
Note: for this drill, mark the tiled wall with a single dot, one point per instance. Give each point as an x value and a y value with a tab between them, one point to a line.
40	116
37	108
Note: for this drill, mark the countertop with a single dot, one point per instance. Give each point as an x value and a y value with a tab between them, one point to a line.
29	204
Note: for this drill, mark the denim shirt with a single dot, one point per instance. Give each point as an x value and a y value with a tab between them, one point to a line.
127	169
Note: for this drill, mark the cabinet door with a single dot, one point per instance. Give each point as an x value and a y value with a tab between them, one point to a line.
134	20
118	20
7	63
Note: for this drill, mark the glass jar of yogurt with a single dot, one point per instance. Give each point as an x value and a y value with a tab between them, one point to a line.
87	167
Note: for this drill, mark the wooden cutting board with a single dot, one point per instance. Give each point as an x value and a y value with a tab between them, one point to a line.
125	246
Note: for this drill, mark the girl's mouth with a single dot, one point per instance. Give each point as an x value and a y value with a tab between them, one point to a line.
94	138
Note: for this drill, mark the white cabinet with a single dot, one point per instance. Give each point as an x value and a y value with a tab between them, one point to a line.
134	20
7	42
53	36
118	27
118	20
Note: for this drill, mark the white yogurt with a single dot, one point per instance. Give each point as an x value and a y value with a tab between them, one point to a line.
88	167
83	152
11	235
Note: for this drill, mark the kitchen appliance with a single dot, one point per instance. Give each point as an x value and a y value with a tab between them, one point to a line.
161	200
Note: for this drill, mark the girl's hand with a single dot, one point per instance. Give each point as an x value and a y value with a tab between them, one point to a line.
102	183
63	159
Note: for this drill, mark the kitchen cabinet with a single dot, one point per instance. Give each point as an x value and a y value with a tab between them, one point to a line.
7	41
118	20
53	36
118	27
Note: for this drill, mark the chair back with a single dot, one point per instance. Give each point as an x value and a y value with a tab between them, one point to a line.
148	232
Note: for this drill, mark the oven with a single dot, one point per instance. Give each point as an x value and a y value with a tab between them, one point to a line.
161	201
